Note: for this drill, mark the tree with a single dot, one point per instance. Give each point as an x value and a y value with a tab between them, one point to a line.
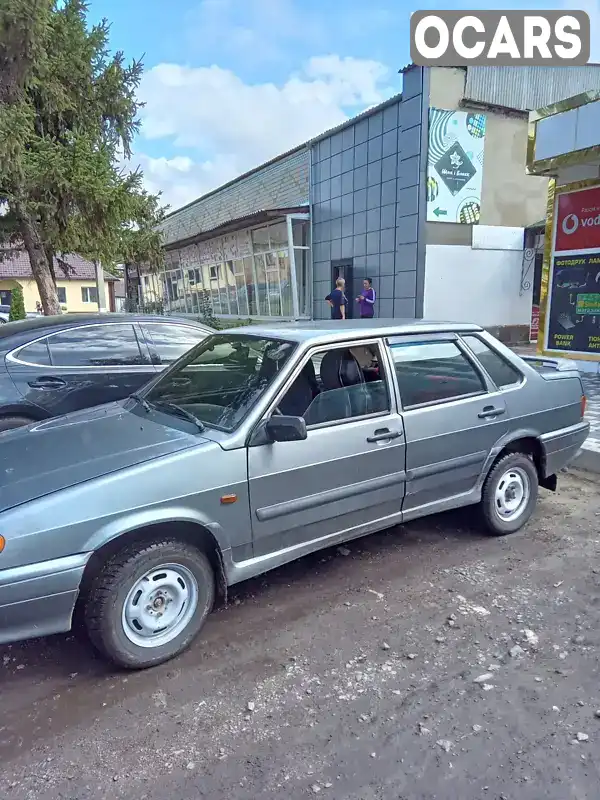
68	115
17	304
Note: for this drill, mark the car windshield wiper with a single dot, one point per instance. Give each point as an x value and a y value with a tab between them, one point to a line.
144	403
172	408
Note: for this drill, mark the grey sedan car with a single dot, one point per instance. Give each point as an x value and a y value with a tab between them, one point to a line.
256	447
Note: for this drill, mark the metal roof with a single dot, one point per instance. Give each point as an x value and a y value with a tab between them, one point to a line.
260	217
528	88
280	183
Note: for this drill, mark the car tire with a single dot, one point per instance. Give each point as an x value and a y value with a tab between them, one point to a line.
147	584
509	494
10	423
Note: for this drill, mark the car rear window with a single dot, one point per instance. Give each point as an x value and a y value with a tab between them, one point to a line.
430	372
96	346
500	371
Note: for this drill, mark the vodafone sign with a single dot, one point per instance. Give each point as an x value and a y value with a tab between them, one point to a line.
578	221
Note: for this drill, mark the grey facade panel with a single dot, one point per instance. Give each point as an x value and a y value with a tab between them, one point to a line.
528	88
279	184
380	204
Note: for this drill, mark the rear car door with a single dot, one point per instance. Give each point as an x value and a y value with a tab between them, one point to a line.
453	416
167	341
347	476
81	367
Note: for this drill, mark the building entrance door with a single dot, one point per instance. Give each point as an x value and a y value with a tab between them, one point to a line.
345	269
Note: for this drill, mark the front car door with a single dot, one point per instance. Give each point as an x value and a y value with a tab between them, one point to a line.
347	477
80	367
453	416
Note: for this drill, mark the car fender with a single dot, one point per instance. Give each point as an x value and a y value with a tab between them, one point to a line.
147	517
504	441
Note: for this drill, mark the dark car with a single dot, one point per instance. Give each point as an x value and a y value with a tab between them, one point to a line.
53	365
5	313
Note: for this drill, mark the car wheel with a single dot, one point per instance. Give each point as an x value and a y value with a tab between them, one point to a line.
509	494
149	602
9	423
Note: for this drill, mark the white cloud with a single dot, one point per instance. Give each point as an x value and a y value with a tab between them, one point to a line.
236	125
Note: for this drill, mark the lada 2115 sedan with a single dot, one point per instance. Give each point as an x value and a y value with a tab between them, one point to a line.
256	447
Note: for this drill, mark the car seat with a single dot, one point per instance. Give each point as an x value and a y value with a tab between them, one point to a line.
343	395
301	393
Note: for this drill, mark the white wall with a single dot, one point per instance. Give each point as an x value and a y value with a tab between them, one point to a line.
480	286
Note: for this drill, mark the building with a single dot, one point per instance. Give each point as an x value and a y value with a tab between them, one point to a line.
75	283
427	194
564	147
245	245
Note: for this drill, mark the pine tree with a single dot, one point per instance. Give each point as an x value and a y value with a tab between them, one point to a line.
17	304
68	114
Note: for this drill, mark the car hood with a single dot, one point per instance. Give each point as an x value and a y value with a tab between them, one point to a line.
45	457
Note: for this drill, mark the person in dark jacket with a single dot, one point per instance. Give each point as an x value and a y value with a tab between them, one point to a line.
337	300
366	300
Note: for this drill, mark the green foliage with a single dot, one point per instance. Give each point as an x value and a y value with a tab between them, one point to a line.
68	115
207	315
17	304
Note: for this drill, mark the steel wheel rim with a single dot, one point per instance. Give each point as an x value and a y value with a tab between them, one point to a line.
160	605
512	494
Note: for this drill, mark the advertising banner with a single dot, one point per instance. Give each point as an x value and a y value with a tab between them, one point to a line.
455	166
573	320
578	221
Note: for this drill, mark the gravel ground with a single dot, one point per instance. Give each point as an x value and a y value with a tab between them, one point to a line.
424	662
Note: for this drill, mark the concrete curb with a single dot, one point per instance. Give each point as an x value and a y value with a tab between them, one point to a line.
587	459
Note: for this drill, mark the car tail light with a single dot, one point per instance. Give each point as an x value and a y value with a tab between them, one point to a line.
583	405
2	543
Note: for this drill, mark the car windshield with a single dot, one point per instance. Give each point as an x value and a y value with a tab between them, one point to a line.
221	379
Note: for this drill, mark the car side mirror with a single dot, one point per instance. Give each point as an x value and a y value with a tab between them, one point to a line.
280	428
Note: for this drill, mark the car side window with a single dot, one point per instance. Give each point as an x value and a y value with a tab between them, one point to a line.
430	372
500	371
35	353
96	346
167	342
337	385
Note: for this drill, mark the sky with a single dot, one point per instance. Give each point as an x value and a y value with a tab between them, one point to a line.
229	84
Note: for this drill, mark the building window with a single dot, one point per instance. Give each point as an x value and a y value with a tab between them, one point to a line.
254	279
89	294
62	294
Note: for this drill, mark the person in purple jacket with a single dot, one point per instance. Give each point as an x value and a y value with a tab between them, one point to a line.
366	300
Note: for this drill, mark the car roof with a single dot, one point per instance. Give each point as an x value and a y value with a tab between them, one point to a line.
38	324
339	330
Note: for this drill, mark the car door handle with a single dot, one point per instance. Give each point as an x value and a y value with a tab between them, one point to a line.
491	411
384	434
47	382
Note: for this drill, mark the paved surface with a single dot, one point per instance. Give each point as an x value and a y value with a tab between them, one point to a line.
380	672
589	457
592	390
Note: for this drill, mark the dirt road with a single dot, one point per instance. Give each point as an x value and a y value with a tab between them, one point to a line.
425	662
